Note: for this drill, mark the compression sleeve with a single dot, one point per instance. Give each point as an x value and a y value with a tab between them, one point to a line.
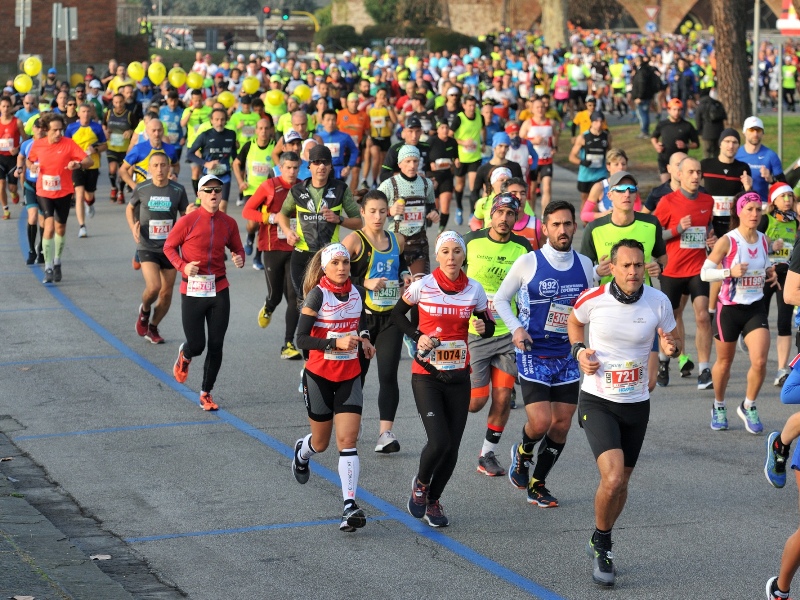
486	317
710	272
306	341
403	324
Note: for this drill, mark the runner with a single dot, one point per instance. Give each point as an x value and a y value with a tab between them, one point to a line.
89	135
490	254
598	204
355	123
469	133
194	115
440	373
55	154
677	135
411	136
12	134
262	208
343	149
201	237
765	165
332	325
723	178
35	217
541	133
378	266
589	152
444	162
214	150
382	119
625	316
154	208
545	284
118	125
746	268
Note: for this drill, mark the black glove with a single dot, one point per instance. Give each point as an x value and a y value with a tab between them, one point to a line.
586	163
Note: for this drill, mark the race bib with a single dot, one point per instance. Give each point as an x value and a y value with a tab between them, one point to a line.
378	122
334	148
722	206
596	161
201	286
388	296
261	169
51	183
6	144
694	238
782	255
341	354
172	138
450	355
557	318
292	226
248	131
624	377
159	230
750	286
443	163
117	139
414	215
219	169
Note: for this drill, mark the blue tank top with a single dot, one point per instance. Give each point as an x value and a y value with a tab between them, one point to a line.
382	264
544	305
605	201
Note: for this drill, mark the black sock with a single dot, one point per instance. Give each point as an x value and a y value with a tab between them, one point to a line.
602	538
528	443
443	218
113	180
251	237
547	456
121	185
780	448
41	237
32	229
195	182
459	196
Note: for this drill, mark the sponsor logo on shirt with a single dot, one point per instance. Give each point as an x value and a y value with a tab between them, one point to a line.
159	203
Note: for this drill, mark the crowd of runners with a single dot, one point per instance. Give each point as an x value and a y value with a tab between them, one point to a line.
340	166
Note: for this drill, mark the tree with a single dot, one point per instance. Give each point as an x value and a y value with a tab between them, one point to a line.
554	22
730	49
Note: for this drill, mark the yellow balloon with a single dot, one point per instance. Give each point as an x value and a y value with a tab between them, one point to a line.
136	71
303	92
274	97
75	79
194	81
32	66
250	85
710	29
698	27
226	99
177	77
23	83
156	72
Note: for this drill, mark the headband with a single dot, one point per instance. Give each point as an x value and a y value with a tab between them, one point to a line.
450	236
498	173
332	251
745	200
505	200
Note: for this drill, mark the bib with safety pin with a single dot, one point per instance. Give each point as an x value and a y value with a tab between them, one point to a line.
624	377
201	286
219	169
117	139
414	215
340	354
388	296
750	286
782	255
292	226
693	238
261	169
248	131
557	318
172	138
722	206
51	183
159	229
335	149
6	144
450	355
378	122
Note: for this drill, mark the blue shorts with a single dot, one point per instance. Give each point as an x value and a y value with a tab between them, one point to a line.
548	371
29	197
796	458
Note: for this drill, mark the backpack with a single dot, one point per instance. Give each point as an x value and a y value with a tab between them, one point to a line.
716	111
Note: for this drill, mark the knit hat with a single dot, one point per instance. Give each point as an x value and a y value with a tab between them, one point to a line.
730	132
407	151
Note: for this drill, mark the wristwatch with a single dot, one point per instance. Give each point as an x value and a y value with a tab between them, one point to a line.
341	219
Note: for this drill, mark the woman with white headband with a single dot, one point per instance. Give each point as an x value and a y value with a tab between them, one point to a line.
331	327
746	267
447	300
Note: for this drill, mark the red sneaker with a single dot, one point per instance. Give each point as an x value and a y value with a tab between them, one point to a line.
142	322
152	335
113	194
120	197
15	197
207	402
181	367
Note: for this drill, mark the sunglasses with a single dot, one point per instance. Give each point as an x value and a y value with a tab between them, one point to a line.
628	187
211	190
320	162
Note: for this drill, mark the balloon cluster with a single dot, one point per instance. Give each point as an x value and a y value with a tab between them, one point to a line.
32	67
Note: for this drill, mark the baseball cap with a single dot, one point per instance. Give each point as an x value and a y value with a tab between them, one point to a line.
413	122
51	71
347	53
291	136
674	102
753	123
219	76
619	176
94	84
352	96
275	78
206	178
591	99
597	116
320	152
453	91
512	127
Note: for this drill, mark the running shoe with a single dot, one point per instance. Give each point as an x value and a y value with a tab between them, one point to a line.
257	264
704	381
90	210
152	335
411	346
264	317
300	471
142	322
719	418
135	263
114	194
31	258
181	367
518	471
434	515
14	197
57	273
6	214
490	466
240	201
48	276
539	495
772	590
387	443
289	352
686	365
248	246
459	216
750	417
418	503
780	378
40	259
120	197
207	402
352	518
740	344
662	379
775	465
602	564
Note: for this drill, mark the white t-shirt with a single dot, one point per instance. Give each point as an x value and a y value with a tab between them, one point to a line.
622	336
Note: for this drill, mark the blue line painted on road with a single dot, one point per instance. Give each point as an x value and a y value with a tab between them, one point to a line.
41	361
32	309
6	273
172	536
415	525
43	436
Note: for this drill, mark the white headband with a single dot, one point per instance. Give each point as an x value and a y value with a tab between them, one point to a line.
450	236
333	251
498	173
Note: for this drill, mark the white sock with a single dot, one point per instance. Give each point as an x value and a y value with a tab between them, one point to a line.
718	404
748	404
488	447
306	450
349	466
703	366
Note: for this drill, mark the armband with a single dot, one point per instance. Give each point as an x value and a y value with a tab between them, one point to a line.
576	348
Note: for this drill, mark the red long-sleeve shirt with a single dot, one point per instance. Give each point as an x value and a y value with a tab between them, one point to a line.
203	236
270	194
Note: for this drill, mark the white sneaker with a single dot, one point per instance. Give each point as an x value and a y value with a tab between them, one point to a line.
82	232
90	210
387	443
240	202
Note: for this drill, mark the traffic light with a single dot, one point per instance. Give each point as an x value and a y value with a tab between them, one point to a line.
285	14
267	12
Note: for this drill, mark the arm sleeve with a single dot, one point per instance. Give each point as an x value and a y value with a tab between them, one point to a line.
588	213
234	239
243	154
353	151
660	247
693	135
305	341
520	273
199	141
252	209
401	321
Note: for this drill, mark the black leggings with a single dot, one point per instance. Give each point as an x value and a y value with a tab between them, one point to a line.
784	310
279	284
388	341
297	269
443	408
196	314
